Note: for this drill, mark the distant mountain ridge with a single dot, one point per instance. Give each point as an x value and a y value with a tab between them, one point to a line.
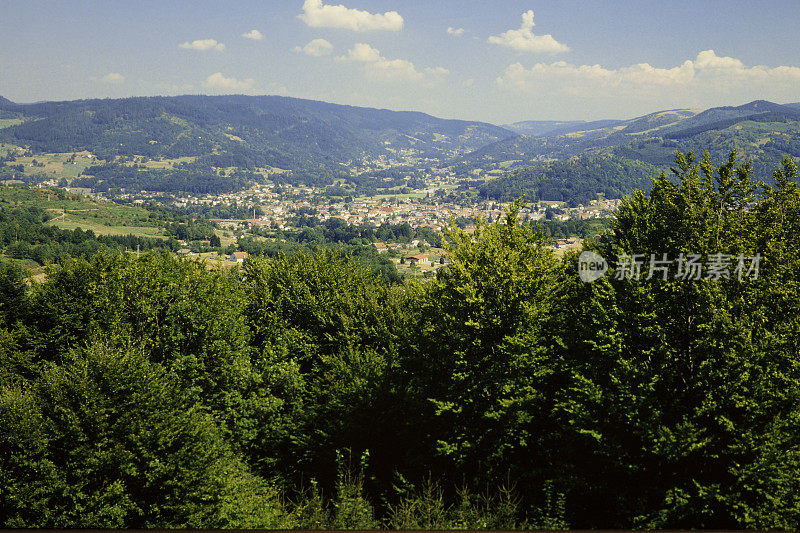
760	130
322	142
545	128
243	130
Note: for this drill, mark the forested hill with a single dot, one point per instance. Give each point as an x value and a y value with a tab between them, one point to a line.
762	131
576	181
242	131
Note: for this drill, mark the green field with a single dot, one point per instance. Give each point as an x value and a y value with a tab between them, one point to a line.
60	165
44	198
103	226
108	219
167	163
73	211
5	148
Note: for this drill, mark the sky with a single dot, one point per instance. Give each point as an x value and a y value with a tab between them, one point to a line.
494	61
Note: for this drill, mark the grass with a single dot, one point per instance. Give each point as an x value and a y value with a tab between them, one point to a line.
760	127
100	227
558	252
215	261
80	212
108	219
44	198
416	270
225	240
5	148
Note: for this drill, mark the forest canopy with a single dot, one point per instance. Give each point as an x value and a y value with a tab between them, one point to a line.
306	391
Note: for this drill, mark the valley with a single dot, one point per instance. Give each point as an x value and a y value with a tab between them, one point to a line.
277	155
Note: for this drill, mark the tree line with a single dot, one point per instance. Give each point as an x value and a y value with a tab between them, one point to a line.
195	178
23	235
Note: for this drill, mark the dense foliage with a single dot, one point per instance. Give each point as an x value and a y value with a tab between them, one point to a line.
193	178
366	256
575	181
23	235
310	229
307	392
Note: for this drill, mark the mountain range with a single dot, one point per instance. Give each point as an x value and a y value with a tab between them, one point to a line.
242	130
761	131
309	136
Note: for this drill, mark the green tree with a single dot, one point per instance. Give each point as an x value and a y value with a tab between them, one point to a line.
478	364
335	325
13	296
683	387
110	440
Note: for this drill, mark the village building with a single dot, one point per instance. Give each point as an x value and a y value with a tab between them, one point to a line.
419	259
238	257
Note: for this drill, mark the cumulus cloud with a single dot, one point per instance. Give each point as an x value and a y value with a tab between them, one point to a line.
390	69
316	48
524	40
318	15
363	53
708	59
457	32
437	71
221	82
699	82
113	77
518	77
203	45
706	68
253	34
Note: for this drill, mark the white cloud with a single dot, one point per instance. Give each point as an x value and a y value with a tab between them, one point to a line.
706	68
363	53
203	45
253	34
524	40
457	32
219	81
390	69
699	82
316	48
113	77
437	71
318	15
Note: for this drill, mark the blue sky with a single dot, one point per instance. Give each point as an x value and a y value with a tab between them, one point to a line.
500	62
